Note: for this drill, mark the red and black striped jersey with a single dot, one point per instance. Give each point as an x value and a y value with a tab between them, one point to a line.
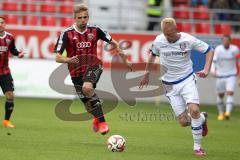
82	44
7	45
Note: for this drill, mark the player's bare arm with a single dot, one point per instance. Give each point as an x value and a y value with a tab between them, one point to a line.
61	59
14	51
121	54
209	57
145	79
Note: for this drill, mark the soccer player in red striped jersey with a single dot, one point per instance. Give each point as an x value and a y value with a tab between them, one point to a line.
7	46
80	42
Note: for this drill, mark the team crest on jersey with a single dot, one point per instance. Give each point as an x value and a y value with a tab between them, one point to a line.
183	46
8	41
90	36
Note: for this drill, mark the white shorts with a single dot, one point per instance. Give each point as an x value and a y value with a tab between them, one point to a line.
226	84
181	94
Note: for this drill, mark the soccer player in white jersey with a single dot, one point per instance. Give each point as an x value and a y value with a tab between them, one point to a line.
179	81
224	68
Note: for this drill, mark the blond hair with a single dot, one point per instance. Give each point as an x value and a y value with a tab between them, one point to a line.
168	21
80	8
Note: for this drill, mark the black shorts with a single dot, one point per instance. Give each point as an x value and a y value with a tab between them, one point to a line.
92	75
6	83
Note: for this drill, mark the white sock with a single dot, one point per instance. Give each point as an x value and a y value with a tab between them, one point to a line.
229	104
197	132
220	105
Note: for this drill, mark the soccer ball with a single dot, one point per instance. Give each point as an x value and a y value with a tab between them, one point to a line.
116	143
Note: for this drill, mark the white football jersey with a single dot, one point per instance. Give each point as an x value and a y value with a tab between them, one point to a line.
176	57
224	61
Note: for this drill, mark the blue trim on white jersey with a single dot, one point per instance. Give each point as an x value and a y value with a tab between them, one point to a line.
178	81
209	48
227	76
196	128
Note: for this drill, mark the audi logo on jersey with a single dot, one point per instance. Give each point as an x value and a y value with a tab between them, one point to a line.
3	49
84	44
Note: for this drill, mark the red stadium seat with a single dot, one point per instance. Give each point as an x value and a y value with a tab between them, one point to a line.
48	21
204	28
30	20
66	7
223	29
9	6
11	19
183	12
177	2
201	12
28	7
48	6
66	21
184	27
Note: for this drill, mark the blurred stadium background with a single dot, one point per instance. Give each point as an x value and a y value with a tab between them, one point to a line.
36	25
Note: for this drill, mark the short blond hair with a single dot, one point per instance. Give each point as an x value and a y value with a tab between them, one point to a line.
168	21
80	8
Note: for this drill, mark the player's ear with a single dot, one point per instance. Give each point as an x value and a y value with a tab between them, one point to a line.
176	28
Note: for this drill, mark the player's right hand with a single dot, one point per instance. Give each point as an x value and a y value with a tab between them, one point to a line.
202	74
144	81
21	55
73	60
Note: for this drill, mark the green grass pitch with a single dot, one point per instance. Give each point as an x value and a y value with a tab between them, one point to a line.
40	135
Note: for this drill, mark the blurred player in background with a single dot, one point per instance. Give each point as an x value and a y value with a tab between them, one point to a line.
7	46
80	41
154	12
179	81
224	68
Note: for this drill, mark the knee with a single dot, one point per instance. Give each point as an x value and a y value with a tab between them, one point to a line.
194	111
184	123
184	120
230	93
9	96
88	90
221	95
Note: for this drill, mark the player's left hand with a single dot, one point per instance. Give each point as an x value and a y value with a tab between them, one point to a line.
202	74
144	81
21	55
